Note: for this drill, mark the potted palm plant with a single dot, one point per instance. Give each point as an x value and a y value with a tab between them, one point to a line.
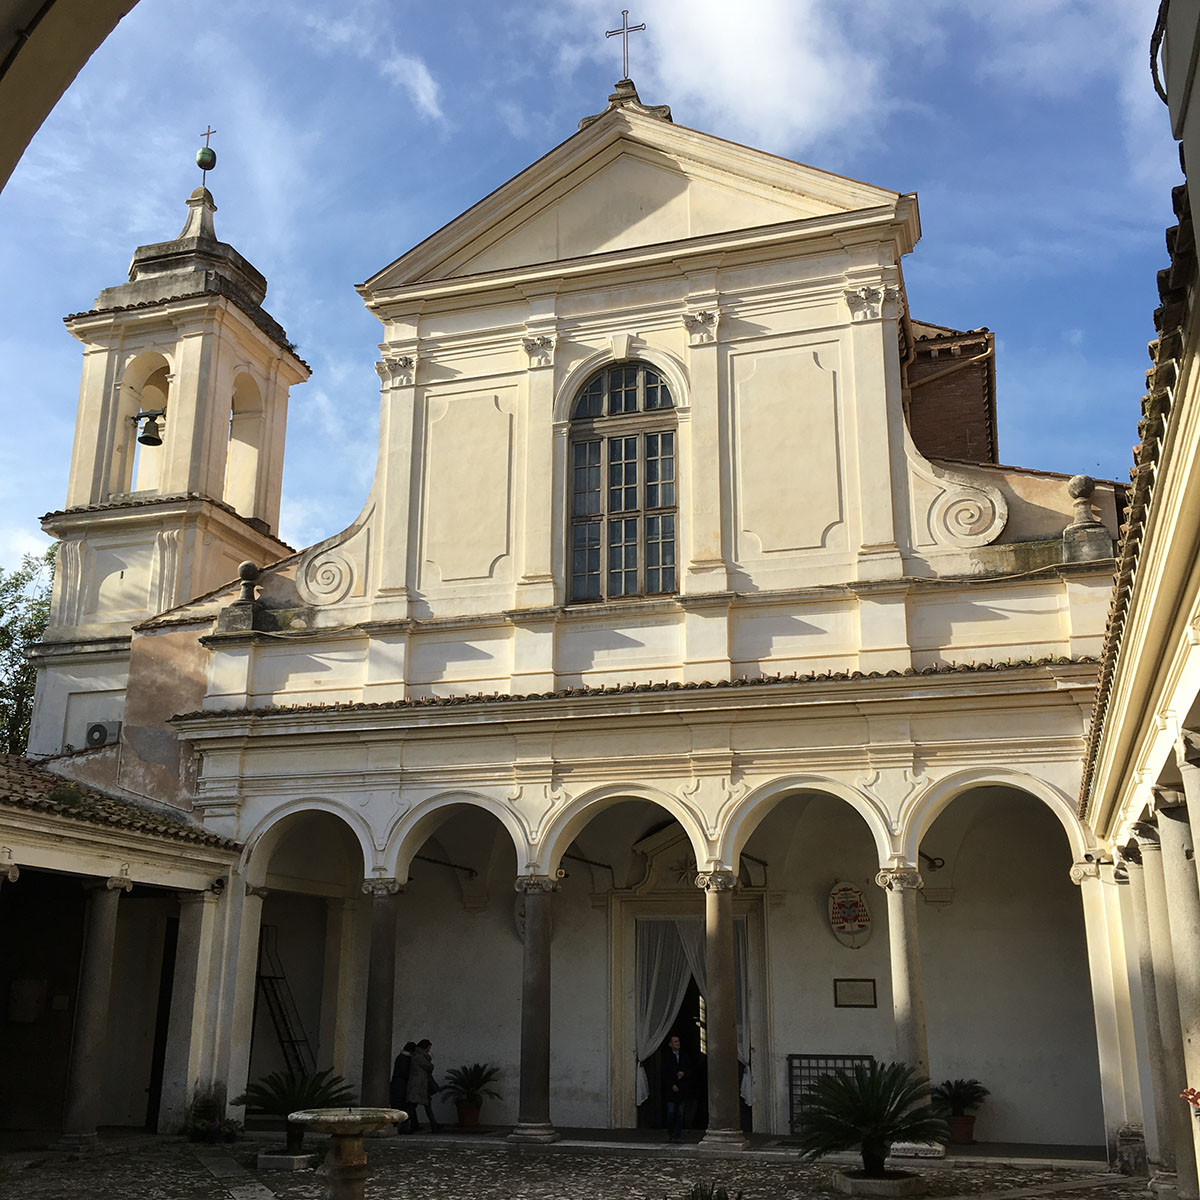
956	1098
467	1086
285	1092
867	1110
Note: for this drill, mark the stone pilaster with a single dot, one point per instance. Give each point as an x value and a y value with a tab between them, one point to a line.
902	884
190	1024
1166	993
724	1112
381	992
533	1115
89	1039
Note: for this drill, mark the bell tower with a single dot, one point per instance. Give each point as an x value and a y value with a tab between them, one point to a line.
177	459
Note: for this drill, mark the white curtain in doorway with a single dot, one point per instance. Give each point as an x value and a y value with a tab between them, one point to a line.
669	954
691	934
663	976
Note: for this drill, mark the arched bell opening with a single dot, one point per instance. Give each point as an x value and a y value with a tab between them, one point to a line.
137	458
247	429
1008	996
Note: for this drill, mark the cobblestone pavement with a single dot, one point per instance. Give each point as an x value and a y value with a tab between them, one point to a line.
170	1169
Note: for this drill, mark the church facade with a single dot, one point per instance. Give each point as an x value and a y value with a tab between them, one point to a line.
693	667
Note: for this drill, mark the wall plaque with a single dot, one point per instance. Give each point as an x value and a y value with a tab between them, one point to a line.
849	916
854	993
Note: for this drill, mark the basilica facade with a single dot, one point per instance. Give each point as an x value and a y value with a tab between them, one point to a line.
693	667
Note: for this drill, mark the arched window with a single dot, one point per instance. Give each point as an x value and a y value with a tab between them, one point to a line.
622	454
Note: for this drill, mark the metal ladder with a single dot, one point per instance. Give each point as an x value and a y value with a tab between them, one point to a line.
285	1017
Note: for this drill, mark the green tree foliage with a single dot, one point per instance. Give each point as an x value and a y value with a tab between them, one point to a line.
24	610
868	1110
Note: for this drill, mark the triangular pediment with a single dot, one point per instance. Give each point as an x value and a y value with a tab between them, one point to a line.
624	182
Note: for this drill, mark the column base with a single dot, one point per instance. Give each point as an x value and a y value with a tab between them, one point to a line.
1164	1185
533	1134
77	1141
723	1139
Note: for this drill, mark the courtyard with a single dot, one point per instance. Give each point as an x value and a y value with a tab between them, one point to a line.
421	1168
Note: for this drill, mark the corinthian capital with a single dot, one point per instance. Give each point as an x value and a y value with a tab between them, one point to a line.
535	883
378	888
900	879
717	881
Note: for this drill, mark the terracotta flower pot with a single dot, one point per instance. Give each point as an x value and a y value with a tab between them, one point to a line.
468	1114
962	1130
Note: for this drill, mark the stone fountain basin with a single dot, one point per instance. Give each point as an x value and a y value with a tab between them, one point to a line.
345	1122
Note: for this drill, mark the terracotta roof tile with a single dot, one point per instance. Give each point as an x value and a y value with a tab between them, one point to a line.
23	784
585	693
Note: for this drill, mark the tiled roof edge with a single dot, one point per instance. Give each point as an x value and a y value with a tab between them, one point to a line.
584	693
1174	282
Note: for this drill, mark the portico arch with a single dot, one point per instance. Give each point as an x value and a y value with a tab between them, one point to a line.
920	813
745	817
424	819
265	837
301	877
566	825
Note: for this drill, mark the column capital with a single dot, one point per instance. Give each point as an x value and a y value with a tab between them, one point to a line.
114	883
1187	748
900	879
717	881
10	872
1130	854
534	883
380	887
1167	797
254	890
1083	871
1146	833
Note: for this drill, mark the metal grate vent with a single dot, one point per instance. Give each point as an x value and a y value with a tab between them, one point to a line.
804	1068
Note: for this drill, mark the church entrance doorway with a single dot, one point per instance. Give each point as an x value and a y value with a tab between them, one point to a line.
689	1027
671	975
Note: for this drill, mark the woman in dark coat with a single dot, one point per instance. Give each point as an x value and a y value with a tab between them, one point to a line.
420	1077
398	1091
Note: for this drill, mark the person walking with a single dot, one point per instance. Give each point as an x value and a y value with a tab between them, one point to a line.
421	1086
398	1090
678	1084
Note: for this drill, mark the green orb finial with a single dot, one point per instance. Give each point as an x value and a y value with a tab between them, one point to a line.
206	158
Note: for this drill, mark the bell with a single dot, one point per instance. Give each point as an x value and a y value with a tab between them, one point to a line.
150	435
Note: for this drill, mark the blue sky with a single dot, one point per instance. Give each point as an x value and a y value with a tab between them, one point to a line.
348	130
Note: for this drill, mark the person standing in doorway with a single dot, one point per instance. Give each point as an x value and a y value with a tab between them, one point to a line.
421	1086
678	1084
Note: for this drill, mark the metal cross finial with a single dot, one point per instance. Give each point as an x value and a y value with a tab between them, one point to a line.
624	32
206	158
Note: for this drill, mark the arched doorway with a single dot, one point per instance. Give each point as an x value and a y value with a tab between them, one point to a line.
311	938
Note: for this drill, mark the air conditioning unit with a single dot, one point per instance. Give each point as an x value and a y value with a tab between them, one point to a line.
100	733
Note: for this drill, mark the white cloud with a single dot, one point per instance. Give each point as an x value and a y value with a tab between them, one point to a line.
413	75
365	30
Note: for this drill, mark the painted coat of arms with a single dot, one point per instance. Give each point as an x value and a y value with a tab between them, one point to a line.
849	916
